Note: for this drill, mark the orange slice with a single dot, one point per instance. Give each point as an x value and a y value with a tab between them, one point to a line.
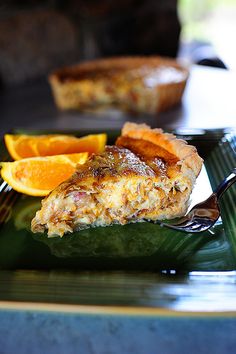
37	176
21	146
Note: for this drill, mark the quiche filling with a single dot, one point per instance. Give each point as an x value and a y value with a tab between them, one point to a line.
131	181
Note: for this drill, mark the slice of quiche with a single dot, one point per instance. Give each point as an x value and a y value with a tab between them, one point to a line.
148	174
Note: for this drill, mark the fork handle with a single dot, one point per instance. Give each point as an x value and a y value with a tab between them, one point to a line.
226	183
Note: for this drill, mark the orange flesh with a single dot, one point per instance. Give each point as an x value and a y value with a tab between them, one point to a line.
22	146
45	175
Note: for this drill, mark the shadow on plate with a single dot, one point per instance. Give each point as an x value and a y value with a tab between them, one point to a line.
139	246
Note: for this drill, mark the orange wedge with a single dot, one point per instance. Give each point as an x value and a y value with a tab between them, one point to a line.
21	146
37	176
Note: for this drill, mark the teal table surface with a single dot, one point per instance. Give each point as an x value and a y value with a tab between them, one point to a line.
39	332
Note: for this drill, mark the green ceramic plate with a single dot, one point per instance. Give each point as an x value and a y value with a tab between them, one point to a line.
138	264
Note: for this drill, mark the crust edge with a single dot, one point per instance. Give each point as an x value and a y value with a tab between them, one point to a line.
187	154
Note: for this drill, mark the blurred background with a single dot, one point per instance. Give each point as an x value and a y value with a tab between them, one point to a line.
38	36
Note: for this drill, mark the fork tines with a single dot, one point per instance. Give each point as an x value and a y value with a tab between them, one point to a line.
8	198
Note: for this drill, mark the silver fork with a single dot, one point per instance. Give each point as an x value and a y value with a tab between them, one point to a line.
8	198
205	214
